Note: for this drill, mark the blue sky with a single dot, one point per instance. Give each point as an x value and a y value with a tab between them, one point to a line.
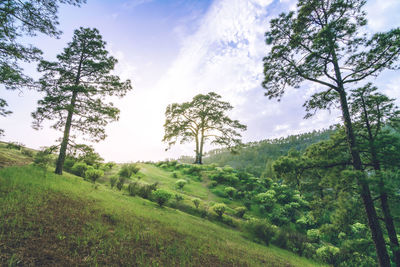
173	50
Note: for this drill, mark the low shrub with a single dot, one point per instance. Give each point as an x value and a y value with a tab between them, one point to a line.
328	254
132	189
219	209
230	191
128	169
174	175
79	168
14	145
196	202
161	196
178	197
120	183
261	230
93	174
27	152
240	211
180	183
113	181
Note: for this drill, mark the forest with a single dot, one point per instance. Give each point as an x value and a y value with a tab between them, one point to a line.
329	197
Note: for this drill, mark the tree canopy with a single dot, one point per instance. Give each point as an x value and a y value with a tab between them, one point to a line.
323	42
75	88
201	120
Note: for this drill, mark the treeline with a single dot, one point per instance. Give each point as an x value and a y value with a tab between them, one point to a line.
257	157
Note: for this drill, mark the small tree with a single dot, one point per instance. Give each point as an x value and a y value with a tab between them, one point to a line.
178	197
180	183
75	88
196	202
93	174
219	209
113	181
79	168
127	170
240	211
161	196
120	183
200	120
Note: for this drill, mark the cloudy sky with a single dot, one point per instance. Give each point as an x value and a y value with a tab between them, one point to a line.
175	49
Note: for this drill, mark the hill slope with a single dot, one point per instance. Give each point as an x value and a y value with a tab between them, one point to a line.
56	220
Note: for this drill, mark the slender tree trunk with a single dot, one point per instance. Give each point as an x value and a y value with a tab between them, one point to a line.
201	147
376	231
67	129
197	160
387	216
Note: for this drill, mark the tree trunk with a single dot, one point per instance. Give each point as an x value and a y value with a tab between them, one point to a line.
197	160
67	129
387	216
201	147
376	231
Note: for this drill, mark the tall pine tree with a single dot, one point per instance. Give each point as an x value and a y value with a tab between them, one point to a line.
75	87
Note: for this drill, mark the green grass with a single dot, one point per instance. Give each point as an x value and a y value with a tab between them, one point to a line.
64	220
12	157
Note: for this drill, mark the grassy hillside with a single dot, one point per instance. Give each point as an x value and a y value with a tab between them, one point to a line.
57	220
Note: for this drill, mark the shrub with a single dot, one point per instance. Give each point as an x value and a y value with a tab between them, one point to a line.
27	152
213	184
69	163
261	230
120	183
219	209
180	183
15	145
93	174
79	168
128	169
240	211
110	165
144	190
196	202
161	196
230	191
314	235
132	188
43	159
328	254
178	197
174	175
113	181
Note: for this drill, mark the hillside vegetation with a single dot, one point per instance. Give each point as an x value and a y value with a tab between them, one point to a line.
48	219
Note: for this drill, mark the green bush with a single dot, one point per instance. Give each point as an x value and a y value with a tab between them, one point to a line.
15	145
240	211
219	209
230	191
261	230
79	168
132	188
161	196
113	181
27	152
43	159
110	165
196	202
328	254
120	183
180	183
93	174
69	163
128	169
178	197
144	190
174	175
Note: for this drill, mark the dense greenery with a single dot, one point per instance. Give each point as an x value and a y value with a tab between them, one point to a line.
324	43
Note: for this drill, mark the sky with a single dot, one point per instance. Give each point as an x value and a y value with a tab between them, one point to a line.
173	50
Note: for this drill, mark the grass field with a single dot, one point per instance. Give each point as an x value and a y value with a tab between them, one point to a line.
64	220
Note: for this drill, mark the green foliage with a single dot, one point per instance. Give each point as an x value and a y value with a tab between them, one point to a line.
240	211
196	202
178	197
75	88
27	152
43	158
93	174
328	254
230	191
261	230
15	145
180	183
174	174
110	165
113	181
161	196
200	120
219	209
120	183
127	170
79	168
